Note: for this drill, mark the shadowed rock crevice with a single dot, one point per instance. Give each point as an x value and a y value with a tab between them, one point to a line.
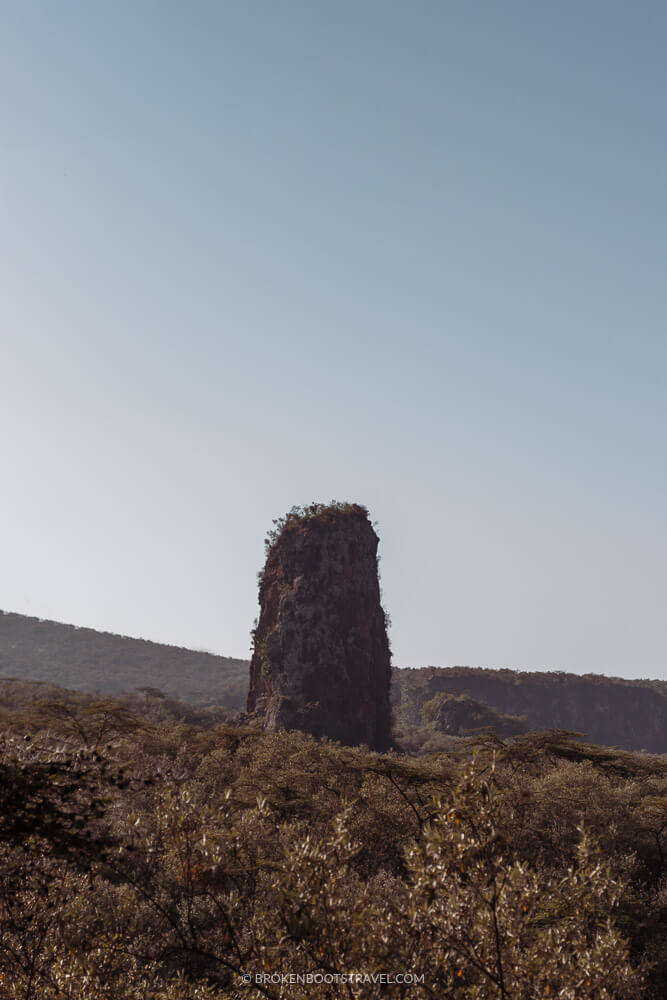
321	660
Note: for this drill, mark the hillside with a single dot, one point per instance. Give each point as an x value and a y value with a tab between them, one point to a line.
86	660
631	714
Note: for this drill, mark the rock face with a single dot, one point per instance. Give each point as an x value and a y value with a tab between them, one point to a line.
459	715
631	714
321	660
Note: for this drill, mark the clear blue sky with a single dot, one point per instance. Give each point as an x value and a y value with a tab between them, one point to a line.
411	255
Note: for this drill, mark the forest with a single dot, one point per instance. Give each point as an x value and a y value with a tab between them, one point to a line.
154	850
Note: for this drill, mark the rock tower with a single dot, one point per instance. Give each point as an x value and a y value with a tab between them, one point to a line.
321	660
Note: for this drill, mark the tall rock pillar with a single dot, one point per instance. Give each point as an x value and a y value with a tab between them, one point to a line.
321	660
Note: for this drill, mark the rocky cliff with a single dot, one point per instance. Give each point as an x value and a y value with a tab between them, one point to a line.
460	715
608	710
321	660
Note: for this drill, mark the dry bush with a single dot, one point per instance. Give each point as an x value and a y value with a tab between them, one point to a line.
172	860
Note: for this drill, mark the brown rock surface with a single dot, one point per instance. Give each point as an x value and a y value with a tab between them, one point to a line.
459	715
613	711
321	660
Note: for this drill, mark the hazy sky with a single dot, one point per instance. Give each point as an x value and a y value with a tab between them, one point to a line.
411	255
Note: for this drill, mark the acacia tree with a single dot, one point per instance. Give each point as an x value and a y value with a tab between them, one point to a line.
157	886
228	891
